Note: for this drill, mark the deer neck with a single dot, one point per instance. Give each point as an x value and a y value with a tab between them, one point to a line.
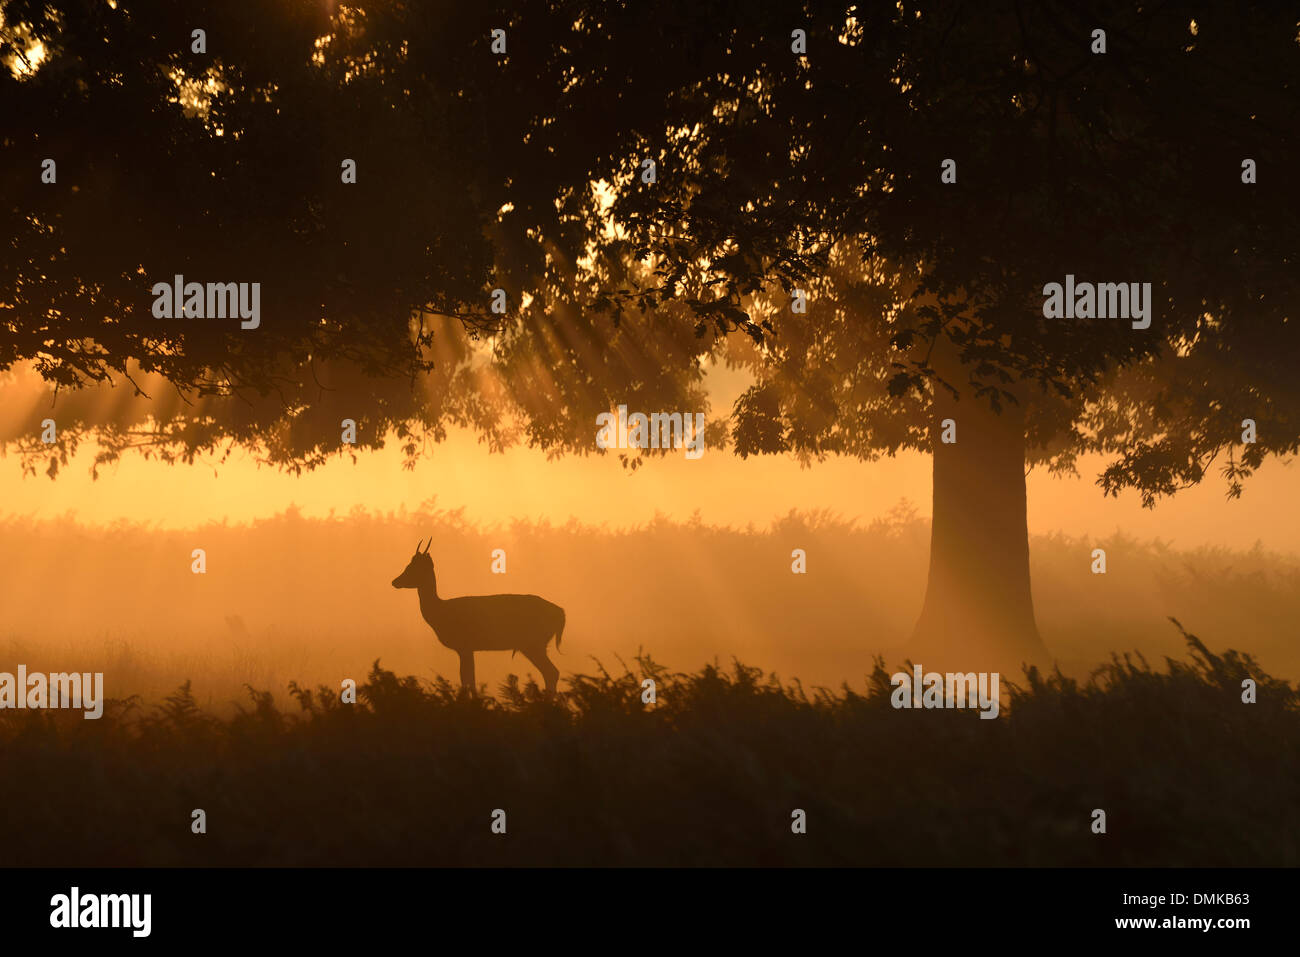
429	600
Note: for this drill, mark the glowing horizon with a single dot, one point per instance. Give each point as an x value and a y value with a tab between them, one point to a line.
522	483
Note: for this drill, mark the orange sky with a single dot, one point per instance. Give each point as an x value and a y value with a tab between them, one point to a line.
596	489
724	489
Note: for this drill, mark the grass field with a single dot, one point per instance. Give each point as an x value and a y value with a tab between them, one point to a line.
709	775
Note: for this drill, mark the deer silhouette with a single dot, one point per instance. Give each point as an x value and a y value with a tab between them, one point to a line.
523	623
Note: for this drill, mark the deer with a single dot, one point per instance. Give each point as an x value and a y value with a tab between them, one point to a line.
514	623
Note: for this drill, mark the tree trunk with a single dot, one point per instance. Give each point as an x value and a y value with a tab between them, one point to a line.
978	613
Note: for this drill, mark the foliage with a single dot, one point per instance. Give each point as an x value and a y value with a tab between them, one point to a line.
707	775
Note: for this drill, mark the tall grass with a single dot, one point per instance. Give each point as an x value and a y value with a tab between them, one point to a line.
708	775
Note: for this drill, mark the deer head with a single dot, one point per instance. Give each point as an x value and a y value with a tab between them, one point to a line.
418	571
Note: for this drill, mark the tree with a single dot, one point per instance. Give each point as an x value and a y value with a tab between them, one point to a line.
824	171
225	162
777	169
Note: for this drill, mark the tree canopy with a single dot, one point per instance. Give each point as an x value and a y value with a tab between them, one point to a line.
1122	166
777	168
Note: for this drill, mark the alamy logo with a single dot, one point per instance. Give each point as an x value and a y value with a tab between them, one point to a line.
1107	300
59	689
659	430
103	910
950	690
213	300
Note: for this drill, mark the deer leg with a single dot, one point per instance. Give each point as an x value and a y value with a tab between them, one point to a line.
467	672
550	673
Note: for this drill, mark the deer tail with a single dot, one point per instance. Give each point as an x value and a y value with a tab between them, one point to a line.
559	631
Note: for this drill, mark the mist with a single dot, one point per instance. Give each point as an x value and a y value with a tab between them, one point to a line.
295	598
